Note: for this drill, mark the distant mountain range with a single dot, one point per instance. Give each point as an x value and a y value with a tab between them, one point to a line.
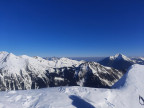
24	72
118	61
88	59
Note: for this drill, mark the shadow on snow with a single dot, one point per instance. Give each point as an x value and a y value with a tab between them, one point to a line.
79	102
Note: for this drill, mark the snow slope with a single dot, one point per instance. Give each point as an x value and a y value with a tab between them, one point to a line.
129	95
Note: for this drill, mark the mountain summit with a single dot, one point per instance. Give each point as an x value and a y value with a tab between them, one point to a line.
118	61
120	56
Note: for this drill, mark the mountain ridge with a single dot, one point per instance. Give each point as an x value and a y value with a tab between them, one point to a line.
24	72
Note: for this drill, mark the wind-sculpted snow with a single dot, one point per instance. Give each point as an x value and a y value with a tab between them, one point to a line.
130	95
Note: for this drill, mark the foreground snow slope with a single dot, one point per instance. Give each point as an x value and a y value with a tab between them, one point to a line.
126	96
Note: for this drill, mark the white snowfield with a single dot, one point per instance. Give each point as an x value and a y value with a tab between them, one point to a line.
129	94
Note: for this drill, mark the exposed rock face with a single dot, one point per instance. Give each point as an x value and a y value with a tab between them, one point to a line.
93	74
89	74
24	72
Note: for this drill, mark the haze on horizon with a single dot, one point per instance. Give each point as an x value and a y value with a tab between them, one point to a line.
72	28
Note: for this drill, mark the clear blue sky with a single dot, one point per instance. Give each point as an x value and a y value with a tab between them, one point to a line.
72	27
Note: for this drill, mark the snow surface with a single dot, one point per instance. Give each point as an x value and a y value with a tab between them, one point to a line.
129	94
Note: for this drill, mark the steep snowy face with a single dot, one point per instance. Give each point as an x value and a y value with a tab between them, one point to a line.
119	61
133	78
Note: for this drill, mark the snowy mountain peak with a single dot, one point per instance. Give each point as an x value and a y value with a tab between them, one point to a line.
4	56
3	52
14	64
120	56
64	59
119	61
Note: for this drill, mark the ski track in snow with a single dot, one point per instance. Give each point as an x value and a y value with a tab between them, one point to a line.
130	95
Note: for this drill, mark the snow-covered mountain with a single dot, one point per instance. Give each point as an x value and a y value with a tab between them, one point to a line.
138	60
128	95
92	74
88	74
24	72
119	61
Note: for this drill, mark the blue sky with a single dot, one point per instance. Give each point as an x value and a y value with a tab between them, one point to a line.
72	27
